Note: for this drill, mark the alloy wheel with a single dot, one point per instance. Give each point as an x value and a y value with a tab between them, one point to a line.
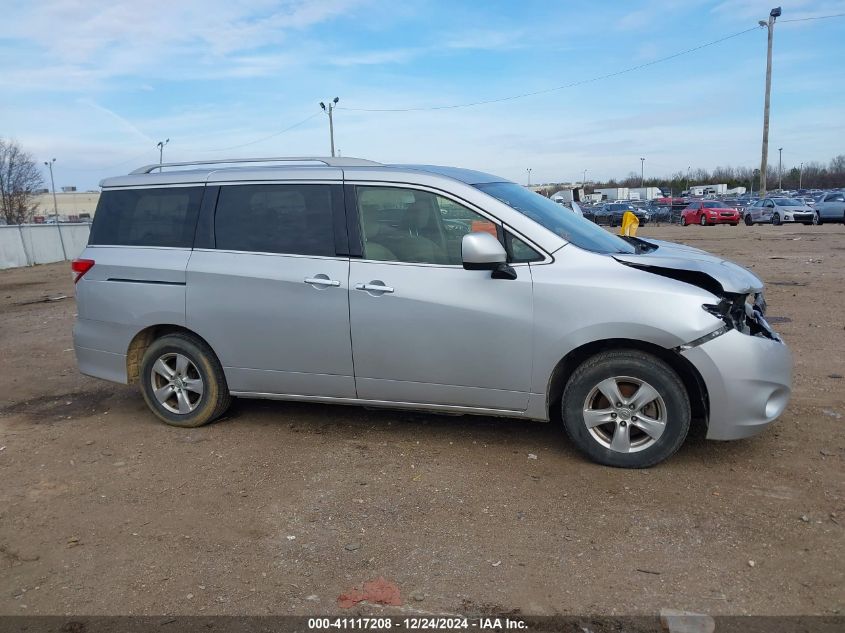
625	414
177	383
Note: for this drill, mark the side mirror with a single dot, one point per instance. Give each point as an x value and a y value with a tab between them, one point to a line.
482	251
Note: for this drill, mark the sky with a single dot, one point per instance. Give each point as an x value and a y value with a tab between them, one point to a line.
97	84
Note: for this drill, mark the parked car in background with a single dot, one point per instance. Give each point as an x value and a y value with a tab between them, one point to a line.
658	212
340	282
610	213
708	213
830	207
778	210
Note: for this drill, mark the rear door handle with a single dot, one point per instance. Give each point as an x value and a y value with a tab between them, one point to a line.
323	281
374	286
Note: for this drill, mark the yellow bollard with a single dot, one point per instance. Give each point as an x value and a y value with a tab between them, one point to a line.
630	222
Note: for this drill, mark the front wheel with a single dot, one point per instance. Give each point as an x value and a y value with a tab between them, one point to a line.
684	221
776	219
626	408
182	381
748	220
703	220
817	219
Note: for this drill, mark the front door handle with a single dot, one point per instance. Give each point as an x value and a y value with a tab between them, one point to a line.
322	281
375	286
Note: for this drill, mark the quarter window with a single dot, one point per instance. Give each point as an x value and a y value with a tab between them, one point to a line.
519	251
165	216
290	219
409	225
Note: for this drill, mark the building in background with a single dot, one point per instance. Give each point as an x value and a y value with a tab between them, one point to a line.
73	206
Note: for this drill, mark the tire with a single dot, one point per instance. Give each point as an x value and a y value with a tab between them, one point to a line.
817	219
734	223
807	223
196	368
684	221
776	219
748	221
703	220
626	368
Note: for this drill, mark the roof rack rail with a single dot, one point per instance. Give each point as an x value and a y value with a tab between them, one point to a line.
331	162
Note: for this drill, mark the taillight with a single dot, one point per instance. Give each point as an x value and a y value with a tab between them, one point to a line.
80	267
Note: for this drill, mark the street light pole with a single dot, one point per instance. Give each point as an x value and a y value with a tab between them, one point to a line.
800	174
328	110
642	171
529	176
56	206
780	168
770	25
160	146
584	181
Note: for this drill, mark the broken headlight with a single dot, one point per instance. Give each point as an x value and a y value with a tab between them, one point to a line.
744	313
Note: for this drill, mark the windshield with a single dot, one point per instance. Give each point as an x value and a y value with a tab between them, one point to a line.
714	205
788	202
571	227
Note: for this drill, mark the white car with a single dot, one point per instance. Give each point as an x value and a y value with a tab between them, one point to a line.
778	211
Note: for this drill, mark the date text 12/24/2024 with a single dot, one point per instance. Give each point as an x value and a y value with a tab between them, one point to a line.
417	623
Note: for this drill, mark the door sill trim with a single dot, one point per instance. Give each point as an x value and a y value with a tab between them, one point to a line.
387	404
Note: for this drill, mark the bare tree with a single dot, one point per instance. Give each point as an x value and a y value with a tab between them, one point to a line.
19	180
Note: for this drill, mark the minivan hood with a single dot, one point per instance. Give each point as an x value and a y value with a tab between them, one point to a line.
705	268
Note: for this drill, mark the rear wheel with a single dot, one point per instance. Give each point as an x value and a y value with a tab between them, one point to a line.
626	408
182	381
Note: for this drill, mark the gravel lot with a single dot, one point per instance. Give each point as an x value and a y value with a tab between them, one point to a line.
281	507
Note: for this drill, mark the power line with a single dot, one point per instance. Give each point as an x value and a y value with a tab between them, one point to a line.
818	17
565	86
265	138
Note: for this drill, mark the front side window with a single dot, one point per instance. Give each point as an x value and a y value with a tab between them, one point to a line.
279	218
164	216
409	225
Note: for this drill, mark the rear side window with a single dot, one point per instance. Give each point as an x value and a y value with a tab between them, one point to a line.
165	216
290	219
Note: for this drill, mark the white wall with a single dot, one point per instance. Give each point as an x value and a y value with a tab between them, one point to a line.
30	244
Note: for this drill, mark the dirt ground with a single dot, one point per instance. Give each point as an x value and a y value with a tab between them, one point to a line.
281	507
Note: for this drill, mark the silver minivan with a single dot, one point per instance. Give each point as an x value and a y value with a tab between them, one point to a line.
417	287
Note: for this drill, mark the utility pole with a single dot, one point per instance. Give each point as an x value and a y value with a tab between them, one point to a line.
529	176
328	110
780	168
56	206
584	181
770	25
800	174
160	145
642	171
688	168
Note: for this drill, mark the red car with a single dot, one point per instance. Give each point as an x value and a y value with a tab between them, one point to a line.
709	212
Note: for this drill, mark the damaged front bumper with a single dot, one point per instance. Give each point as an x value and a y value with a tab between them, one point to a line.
748	380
